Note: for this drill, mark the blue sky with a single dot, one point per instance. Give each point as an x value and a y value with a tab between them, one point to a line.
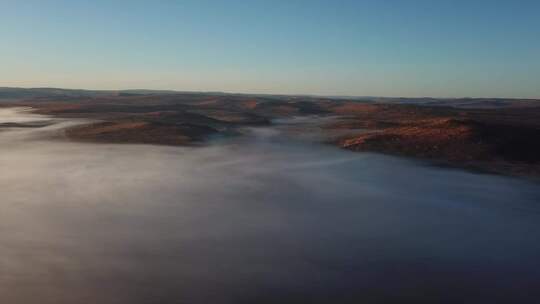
372	47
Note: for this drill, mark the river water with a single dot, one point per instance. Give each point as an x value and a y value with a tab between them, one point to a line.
261	218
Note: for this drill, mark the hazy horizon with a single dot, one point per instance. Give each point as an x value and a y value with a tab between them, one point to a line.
350	48
258	93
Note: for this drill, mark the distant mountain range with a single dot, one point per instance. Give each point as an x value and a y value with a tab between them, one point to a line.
12	94
19	93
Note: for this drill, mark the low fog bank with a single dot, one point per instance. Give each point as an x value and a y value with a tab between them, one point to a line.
19	125
255	219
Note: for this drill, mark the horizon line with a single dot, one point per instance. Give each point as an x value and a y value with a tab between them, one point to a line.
176	91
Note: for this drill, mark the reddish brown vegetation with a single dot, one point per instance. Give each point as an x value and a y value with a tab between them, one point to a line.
488	134
482	140
138	132
454	139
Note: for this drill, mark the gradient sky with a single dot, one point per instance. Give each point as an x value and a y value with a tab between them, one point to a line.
434	48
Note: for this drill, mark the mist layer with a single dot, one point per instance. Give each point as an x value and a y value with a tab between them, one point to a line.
255	219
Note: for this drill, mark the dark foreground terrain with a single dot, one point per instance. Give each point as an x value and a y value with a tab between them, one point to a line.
492	135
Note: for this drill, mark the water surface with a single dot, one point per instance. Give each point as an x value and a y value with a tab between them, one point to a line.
261	218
